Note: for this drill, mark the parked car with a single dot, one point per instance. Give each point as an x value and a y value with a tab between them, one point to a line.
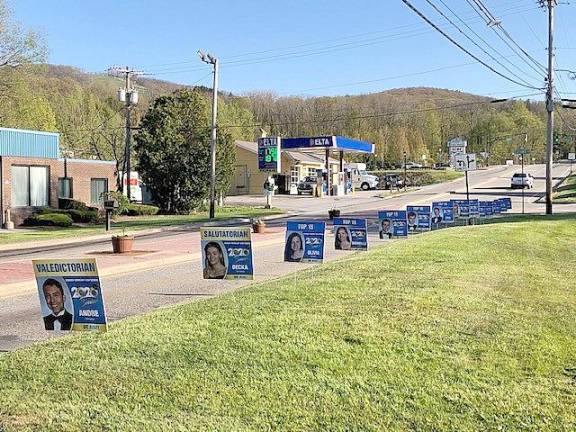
412	165
441	165
520	180
393	181
307	185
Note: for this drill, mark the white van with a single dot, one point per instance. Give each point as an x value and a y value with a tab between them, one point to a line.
360	178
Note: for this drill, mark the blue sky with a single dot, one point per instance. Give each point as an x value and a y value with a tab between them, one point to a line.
314	47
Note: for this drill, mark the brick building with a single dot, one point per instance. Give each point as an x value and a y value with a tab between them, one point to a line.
33	175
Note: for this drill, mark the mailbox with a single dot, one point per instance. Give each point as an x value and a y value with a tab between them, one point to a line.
110	204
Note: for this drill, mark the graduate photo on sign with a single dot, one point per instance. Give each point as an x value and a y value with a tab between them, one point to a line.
304	241
70	295
350	234
418	218
226	253
442	213
461	208
392	224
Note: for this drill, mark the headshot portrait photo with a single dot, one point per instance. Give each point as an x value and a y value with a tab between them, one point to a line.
436	215
56	305
214	262
342	239
385	229
412	221
294	248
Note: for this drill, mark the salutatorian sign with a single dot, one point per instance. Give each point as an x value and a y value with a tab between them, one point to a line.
226	253
70	295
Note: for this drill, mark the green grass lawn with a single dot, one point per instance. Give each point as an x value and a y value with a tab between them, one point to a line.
467	329
131	224
566	193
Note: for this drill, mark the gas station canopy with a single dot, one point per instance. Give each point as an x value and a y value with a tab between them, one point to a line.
338	143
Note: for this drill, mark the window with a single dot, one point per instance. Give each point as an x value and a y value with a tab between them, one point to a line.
312	172
294	175
97	187
29	186
65	187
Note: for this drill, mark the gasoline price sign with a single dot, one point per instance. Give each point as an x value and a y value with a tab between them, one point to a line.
269	154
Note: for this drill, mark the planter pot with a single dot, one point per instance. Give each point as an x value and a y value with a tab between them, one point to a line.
259	227
122	244
333	213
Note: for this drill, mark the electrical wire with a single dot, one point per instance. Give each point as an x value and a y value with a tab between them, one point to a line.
495	24
474	42
421	15
368	116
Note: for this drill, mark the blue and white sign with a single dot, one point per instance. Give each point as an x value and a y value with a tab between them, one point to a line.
269	155
226	253
392	224
442	213
461	209
350	234
506	204
486	209
418	218
473	208
497	207
70	295
304	241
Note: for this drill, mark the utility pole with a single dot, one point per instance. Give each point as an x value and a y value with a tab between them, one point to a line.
130	98
550	4
209	59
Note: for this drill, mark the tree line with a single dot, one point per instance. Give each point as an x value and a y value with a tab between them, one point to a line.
171	122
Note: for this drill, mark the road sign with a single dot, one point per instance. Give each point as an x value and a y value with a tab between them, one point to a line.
571	156
521	152
465	162
269	155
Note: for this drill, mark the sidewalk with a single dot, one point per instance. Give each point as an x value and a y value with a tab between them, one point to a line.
70	241
17	276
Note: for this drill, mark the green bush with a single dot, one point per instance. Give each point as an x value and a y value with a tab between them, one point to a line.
85	215
141	210
70	204
121	199
89	215
49	219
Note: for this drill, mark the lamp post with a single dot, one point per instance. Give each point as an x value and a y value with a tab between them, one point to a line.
209	59
405	173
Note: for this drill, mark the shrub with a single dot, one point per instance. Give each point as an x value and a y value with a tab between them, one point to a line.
49	219
140	210
70	204
85	215
121	199
90	215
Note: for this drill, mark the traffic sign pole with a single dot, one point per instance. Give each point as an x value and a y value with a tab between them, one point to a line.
522	156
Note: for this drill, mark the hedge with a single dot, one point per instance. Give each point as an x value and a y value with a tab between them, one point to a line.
86	215
141	210
49	219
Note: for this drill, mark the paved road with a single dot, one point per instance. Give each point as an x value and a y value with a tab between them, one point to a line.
137	292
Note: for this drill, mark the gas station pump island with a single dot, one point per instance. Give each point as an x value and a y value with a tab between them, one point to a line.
270	151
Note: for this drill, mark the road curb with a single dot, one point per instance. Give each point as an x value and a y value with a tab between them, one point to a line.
28	286
31	246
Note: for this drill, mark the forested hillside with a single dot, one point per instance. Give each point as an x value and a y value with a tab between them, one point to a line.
418	121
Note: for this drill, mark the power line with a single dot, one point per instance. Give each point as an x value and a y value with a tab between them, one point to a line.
473	41
407	3
228	59
495	24
367	116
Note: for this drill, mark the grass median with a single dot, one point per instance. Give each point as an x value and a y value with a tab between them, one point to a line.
131	224
566	192
468	329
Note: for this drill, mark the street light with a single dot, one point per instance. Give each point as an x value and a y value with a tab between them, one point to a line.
405	162
209	59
